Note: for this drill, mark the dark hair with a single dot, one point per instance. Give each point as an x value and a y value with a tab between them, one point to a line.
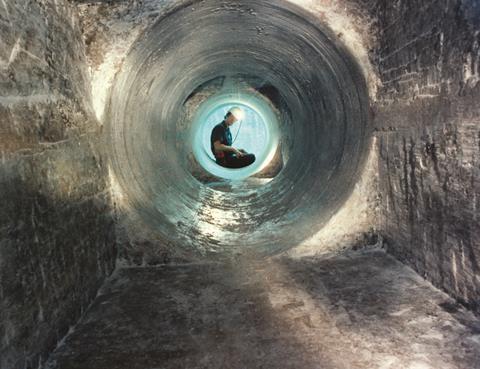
227	115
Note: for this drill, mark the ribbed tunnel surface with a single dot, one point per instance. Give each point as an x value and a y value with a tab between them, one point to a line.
320	101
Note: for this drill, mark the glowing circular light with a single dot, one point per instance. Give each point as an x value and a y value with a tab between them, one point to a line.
238	113
256	131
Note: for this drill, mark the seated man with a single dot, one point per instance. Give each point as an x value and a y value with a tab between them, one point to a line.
221	143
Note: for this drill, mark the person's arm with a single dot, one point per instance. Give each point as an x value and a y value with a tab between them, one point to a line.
221	147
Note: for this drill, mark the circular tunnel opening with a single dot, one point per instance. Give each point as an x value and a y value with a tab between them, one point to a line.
308	90
256	133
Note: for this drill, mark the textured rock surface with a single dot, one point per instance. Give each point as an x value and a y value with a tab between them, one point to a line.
56	242
428	122
361	310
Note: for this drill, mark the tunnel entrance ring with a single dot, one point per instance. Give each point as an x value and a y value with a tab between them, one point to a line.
260	119
325	130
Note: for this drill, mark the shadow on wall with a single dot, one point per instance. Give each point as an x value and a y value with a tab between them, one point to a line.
57	246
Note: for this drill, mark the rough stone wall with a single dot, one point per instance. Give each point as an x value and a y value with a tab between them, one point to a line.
428	128
57	241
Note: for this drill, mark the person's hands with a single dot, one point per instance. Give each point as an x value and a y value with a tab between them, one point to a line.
239	153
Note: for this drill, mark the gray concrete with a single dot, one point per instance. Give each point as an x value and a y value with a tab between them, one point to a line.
409	69
57	240
428	119
357	310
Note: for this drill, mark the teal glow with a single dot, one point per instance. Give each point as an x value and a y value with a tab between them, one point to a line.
257	133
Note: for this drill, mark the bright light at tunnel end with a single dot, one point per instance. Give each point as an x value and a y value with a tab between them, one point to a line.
216	106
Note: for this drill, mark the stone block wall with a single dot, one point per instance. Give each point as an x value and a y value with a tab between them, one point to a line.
57	240
428	128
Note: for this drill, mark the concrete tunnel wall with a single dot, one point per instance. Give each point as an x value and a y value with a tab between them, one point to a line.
323	125
428	128
58	239
57	236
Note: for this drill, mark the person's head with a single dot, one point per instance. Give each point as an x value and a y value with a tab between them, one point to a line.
234	115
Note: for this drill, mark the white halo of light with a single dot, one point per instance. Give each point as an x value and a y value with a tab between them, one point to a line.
226	101
238	113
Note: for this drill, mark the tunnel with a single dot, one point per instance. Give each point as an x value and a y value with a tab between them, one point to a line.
352	240
321	102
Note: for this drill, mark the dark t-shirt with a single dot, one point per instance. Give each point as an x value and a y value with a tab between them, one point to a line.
221	133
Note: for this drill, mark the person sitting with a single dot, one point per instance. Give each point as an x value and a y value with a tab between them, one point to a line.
221	143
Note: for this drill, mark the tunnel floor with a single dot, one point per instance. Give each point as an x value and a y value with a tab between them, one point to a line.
357	310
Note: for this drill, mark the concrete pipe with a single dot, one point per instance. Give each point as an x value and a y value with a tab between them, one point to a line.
319	105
